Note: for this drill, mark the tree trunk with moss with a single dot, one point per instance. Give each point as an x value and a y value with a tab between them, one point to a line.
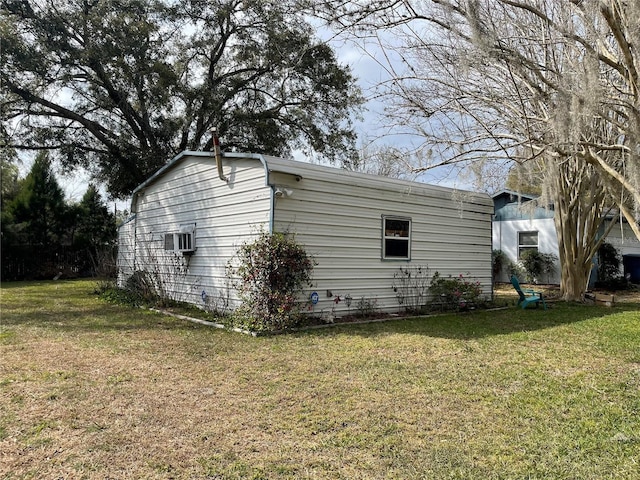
580	215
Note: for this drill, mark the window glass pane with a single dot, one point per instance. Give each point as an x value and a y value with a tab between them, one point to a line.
396	233
528	238
396	248
396	228
527	241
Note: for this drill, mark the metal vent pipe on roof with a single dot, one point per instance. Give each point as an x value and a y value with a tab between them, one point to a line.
216	151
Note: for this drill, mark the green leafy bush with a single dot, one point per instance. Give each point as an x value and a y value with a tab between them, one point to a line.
536	264
499	260
514	268
269	275
609	275
457	293
609	262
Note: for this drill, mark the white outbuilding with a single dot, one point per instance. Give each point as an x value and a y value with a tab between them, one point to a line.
520	224
188	220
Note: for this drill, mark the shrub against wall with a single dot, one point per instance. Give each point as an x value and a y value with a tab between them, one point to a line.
609	262
269	275
499	261
457	293
609	274
160	277
536	264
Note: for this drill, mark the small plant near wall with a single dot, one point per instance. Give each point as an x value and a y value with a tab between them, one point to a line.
218	303
159	278
269	274
457	293
142	285
366	307
411	286
609	261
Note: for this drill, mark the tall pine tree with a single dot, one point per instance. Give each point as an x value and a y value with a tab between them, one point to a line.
38	211
95	225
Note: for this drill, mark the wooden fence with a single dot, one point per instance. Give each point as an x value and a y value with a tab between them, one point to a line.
37	262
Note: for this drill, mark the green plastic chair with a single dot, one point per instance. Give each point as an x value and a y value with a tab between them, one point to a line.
527	295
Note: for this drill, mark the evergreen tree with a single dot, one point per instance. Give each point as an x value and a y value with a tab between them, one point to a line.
8	175
95	225
9	189
39	209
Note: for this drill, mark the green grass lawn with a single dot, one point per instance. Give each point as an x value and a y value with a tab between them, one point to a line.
94	390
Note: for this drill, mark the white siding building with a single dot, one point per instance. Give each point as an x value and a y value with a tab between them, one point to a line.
519	225
359	228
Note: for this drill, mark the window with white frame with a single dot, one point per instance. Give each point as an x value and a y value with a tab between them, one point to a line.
396	238
181	241
527	241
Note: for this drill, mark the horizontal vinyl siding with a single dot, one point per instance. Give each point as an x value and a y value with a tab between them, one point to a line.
225	214
337	215
340	224
125	258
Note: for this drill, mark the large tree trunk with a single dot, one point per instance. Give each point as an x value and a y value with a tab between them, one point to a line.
574	267
575	271
573	285
580	213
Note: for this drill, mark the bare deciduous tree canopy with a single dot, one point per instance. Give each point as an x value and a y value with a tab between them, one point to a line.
550	81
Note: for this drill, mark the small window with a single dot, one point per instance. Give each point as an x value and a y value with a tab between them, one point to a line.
527	241
396	238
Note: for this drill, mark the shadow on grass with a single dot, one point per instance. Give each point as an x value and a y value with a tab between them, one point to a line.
122	318
98	320
479	324
72	306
